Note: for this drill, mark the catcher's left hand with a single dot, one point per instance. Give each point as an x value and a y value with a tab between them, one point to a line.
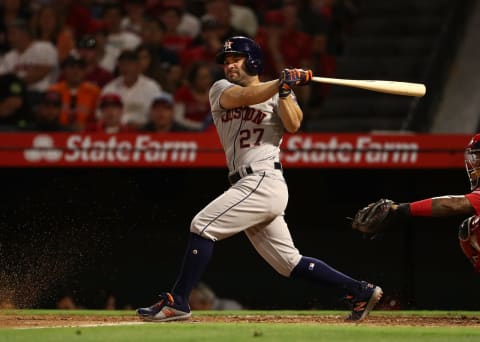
374	218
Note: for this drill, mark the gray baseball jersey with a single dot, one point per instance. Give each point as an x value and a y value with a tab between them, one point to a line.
248	134
251	137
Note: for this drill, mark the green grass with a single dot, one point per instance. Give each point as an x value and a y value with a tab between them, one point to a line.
243	332
230	332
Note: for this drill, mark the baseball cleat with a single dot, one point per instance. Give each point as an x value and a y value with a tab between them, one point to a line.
363	303
164	310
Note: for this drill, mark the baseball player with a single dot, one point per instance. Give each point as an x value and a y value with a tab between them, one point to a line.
251	117
381	214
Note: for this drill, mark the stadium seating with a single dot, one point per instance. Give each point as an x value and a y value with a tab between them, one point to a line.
417	45
403	7
400	40
401	68
393	27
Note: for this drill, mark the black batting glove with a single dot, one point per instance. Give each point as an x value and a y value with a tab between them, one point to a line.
284	90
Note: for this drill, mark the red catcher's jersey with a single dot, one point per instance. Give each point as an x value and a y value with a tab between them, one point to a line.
474	198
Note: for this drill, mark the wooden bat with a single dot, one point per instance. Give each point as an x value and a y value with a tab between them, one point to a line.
389	87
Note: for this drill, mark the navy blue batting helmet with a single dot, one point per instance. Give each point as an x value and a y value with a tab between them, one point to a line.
246	47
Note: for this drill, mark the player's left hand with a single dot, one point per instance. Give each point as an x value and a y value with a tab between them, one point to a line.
295	77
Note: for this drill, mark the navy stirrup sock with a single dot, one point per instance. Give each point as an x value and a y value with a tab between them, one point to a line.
317	271
196	259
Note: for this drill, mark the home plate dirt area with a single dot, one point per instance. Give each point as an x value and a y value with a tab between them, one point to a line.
66	320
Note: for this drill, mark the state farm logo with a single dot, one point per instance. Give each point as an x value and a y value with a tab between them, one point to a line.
106	149
364	149
43	149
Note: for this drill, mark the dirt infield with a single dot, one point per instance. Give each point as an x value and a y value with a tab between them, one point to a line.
43	321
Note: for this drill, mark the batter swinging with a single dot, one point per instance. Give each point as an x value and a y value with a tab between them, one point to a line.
250	117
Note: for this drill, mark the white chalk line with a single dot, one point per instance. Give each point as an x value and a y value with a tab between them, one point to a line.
85	325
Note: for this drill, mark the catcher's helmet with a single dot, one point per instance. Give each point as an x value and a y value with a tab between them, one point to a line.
246	47
472	161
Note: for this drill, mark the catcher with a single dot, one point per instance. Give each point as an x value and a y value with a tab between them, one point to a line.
376	217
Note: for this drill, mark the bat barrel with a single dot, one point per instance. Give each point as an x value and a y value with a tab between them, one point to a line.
389	87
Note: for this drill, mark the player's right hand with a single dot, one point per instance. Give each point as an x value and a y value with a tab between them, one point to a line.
295	77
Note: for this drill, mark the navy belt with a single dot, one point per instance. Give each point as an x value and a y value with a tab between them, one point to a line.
235	177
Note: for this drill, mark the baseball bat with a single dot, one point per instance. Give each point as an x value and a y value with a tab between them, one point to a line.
389	87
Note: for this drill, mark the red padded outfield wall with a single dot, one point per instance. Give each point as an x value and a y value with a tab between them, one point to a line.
204	150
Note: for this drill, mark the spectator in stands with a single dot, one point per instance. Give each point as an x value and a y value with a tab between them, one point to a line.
117	40
10	10
323	64
168	60
316	19
296	44
260	7
244	19
344	14
205	46
47	114
314	14
14	111
135	13
111	112
77	16
220	10
269	37
137	91
332	17
110	303
284	45
161	117
192	105
189	24
89	49
7	304
203	298
301	53
79	97
48	25
392	302
66	303
171	17
149	66
35	62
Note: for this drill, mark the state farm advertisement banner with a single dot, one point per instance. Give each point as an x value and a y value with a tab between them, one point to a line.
204	150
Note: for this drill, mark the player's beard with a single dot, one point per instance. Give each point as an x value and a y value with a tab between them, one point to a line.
239	76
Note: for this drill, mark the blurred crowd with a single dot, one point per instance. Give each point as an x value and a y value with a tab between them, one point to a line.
147	65
202	297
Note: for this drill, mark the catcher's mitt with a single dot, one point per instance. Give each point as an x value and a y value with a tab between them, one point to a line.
374	218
